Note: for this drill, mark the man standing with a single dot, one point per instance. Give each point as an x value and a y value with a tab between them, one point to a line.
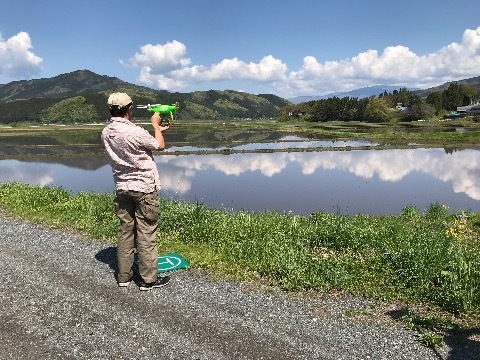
129	148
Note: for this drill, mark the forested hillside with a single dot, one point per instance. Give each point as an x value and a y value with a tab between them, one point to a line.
472	82
81	96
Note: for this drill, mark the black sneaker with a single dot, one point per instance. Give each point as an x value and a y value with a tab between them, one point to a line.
160	282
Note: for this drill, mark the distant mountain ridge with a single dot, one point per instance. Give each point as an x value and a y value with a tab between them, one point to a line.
26	99
60	86
473	82
376	90
360	93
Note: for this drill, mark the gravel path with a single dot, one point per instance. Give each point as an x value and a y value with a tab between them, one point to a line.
59	300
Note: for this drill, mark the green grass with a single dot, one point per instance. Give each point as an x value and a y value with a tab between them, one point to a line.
429	261
433	258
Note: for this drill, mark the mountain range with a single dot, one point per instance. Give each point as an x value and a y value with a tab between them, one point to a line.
26	99
376	90
360	93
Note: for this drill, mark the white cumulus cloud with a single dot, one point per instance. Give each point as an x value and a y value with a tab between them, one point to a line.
167	67
16	58
395	65
159	59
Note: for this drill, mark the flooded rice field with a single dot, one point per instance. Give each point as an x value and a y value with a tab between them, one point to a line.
282	173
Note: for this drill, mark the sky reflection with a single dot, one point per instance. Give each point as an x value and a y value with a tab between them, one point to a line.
345	182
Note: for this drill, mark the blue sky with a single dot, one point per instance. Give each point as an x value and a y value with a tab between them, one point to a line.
282	47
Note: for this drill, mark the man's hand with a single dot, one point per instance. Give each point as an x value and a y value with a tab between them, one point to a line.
165	125
156	120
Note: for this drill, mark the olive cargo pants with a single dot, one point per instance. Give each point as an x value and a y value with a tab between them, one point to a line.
138	215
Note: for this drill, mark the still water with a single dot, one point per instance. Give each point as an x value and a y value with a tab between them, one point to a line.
342	182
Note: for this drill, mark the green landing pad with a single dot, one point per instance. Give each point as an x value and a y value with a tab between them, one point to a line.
171	262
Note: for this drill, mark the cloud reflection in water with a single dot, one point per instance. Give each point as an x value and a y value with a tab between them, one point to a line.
461	169
337	181
34	174
372	181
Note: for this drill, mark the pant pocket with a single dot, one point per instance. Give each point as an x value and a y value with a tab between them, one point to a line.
149	206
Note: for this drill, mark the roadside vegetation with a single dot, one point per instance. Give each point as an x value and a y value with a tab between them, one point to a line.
430	258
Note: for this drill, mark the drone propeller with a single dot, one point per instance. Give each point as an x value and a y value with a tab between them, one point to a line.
147	106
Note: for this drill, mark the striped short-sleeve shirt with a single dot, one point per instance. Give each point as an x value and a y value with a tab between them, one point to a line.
129	148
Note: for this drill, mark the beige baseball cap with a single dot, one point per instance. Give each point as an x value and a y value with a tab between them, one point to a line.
119	99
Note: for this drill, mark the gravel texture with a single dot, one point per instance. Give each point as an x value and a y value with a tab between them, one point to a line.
60	300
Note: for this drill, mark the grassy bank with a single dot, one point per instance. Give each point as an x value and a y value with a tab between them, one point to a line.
433	258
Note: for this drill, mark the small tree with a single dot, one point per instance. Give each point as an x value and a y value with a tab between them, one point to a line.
71	110
469	94
377	110
417	112
435	99
452	97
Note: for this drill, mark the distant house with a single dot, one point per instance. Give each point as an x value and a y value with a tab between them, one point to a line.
470	110
400	106
474	110
295	113
463	109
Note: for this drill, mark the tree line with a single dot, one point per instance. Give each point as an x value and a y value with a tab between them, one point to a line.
402	104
